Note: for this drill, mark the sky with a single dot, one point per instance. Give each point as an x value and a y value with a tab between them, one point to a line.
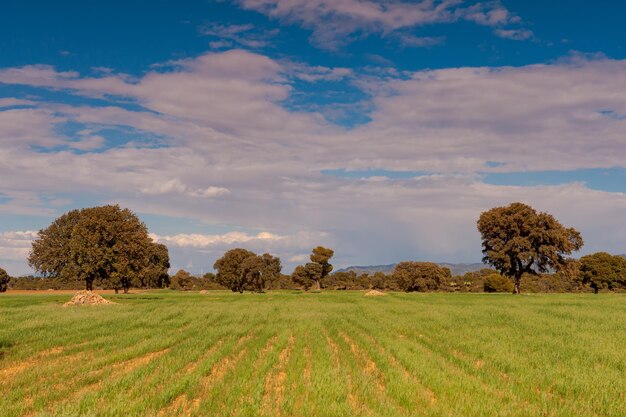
381	129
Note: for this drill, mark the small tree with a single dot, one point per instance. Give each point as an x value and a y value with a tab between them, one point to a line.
311	274
182	281
602	271
4	280
260	271
230	271
239	270
307	275
420	276
518	240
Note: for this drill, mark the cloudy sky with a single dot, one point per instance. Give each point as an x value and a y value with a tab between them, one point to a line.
378	128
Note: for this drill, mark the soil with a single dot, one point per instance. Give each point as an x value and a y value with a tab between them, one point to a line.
374	293
87	298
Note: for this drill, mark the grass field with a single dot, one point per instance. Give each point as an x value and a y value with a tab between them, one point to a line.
331	354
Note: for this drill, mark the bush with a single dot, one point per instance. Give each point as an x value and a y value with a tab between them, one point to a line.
497	283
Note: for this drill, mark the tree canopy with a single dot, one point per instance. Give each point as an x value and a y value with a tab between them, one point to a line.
602	270
307	275
240	269
517	239
4	280
100	244
312	273
420	276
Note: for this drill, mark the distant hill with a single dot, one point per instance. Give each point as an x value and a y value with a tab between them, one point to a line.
456	269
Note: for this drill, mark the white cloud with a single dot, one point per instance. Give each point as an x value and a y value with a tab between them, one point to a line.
335	22
407	40
226	135
176	186
246	35
201	241
515	34
14	248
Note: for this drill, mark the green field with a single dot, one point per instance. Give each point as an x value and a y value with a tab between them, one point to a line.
329	354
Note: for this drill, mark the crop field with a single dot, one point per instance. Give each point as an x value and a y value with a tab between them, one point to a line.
166	353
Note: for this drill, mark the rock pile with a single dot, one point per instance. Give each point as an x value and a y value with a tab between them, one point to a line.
87	298
374	293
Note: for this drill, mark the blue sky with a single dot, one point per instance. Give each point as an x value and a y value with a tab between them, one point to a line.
381	129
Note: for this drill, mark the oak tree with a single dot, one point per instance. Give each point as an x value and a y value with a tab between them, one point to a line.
516	239
155	274
602	271
261	271
420	276
307	275
4	280
311	274
230	271
105	244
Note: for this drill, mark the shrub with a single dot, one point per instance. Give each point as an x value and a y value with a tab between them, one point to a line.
497	283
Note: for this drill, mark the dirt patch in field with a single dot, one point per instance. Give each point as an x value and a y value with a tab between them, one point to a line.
7	374
209	352
374	293
132	364
368	365
87	298
275	381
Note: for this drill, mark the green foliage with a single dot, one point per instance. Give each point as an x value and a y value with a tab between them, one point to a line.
321	256
602	271
311	274
106	244
420	276
155	275
497	283
308	275
260	271
4	280
240	269
182	281
517	240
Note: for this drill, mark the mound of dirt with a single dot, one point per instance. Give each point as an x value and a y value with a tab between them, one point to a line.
374	293
203	291
87	298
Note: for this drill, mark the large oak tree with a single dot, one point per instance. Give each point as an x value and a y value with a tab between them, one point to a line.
518	240
105	244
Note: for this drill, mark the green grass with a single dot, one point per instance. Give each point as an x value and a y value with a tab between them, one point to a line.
328	354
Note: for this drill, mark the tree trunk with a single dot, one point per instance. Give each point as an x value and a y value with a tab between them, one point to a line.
595	289
116	290
516	287
316	285
125	290
89	285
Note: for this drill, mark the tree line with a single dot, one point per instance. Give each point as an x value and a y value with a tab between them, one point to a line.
110	247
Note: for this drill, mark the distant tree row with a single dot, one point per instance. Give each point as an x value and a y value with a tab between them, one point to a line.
109	246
